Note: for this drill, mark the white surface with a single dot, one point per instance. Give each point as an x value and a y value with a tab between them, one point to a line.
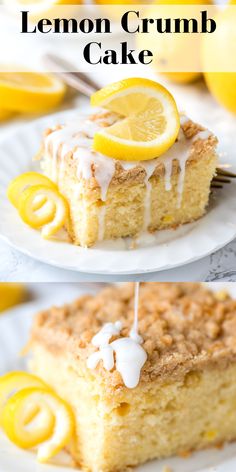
14	328
174	248
198	104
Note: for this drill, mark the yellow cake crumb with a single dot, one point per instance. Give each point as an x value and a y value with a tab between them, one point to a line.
222	295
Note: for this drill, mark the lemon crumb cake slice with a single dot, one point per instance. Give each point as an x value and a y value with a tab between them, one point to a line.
132	166
180	395
110	198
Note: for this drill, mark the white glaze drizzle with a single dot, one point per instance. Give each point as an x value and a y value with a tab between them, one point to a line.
101	222
205	134
103	337
180	151
134	334
130	358
78	137
129	354
149	168
184	119
104	169
168	173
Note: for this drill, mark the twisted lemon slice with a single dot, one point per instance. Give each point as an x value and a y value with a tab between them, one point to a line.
41	206
35	416
23	181
14	381
39	203
148	120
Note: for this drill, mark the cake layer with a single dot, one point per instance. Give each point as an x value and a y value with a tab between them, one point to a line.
156	420
186	396
110	199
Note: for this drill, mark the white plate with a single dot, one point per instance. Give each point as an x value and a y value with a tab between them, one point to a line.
172	248
14	329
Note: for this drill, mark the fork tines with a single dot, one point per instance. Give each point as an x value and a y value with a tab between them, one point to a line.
222	177
226	173
223	180
216	185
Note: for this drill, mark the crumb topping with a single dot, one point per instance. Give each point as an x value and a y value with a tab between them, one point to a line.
137	174
185	326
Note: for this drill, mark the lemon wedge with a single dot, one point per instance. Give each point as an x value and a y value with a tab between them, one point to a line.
29	92
147	120
35	415
41	206
23	181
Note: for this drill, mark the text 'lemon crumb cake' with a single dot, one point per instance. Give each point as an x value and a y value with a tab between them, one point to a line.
110	197
183	395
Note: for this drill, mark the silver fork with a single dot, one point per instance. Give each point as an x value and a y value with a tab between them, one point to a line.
77	80
222	177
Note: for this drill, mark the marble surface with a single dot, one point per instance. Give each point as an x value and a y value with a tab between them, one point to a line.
198	103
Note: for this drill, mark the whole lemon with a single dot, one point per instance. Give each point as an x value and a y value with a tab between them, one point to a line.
219	59
117	2
5	115
176	56
115	13
184	2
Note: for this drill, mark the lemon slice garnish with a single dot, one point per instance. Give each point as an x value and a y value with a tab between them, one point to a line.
29	91
23	181
147	120
35	415
41	206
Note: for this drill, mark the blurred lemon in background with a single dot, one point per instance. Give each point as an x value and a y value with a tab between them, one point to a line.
39	8
30	92
115	14
222	85
5	115
182	2
42	5
219	54
118	2
11	294
173	51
